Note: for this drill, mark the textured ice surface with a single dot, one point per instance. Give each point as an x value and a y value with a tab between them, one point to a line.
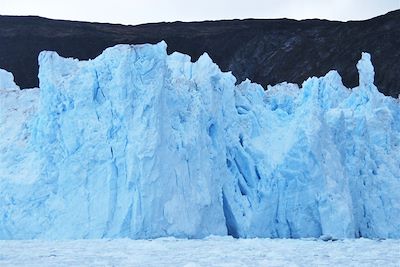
18	161
137	143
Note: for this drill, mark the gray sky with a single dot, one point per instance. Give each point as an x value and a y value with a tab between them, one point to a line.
143	11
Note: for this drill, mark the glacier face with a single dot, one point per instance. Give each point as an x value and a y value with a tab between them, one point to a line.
137	143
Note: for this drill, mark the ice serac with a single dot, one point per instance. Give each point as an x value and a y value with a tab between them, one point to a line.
137	143
7	80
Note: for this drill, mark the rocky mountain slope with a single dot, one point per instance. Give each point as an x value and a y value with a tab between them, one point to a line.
266	51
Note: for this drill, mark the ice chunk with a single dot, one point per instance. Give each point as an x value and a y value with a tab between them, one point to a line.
365	70
7	80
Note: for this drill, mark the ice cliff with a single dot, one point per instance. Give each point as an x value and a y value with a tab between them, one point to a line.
137	143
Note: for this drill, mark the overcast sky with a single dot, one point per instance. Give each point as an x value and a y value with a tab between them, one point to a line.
143	11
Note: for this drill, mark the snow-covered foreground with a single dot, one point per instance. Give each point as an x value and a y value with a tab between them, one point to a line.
214	251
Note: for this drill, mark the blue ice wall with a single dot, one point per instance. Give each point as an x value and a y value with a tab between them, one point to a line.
140	144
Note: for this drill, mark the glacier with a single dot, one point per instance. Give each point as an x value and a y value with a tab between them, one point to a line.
141	144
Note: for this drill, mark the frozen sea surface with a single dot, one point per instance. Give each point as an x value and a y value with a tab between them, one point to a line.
213	251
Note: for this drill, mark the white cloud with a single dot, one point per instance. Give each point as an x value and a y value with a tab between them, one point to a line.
142	11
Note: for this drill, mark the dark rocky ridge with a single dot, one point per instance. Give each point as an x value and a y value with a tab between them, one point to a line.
266	51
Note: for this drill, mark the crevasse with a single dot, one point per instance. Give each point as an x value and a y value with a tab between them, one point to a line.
140	144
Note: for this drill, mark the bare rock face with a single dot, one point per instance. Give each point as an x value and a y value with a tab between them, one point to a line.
265	51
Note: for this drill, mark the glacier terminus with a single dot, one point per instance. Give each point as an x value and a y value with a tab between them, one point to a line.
141	144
